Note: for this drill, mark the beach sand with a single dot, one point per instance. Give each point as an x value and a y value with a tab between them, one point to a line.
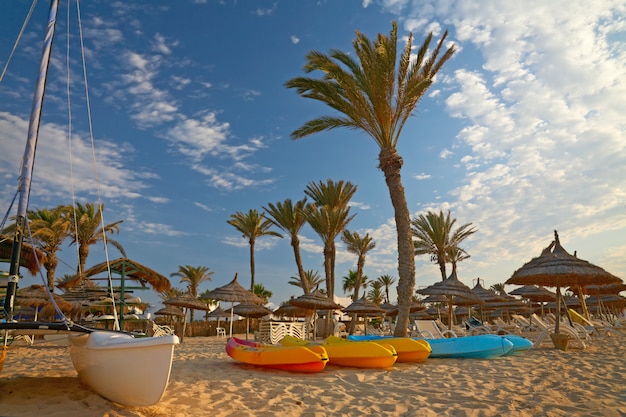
40	380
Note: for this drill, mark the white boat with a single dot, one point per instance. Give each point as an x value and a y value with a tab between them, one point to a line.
121	368
127	370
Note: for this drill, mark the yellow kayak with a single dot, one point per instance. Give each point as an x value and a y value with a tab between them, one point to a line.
287	358
355	354
409	350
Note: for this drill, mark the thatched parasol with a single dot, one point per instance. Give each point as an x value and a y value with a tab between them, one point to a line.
364	307
289	310
315	301
38	297
534	293
235	293
27	255
126	268
454	290
250	311
187	301
170	311
555	267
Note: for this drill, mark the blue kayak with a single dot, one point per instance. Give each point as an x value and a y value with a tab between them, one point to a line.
482	346
520	344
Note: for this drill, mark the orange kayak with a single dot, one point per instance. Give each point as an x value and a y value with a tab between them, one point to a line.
288	358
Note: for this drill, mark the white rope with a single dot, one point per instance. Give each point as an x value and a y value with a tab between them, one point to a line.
95	168
19	36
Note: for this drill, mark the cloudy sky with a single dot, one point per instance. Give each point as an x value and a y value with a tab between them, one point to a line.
522	133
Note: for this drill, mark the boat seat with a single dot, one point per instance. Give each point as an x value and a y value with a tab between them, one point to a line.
221	332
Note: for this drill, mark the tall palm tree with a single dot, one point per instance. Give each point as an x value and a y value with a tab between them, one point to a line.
328	217
193	276
312	280
290	218
386	281
252	225
373	97
434	236
359	245
88	228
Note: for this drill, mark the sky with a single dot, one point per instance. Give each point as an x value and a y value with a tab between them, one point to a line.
521	134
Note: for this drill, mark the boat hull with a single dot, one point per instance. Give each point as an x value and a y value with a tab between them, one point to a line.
287	358
408	349
342	352
484	346
123	369
520	344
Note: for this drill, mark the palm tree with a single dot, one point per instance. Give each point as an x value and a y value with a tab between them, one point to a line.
252	225
350	283
359	245
386	281
262	292
498	288
88	228
312	279
372	97
375	295
193	276
434	236
328	217
49	230
290	218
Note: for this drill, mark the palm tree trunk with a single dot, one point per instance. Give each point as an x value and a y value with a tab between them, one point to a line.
295	244
390	164
252	265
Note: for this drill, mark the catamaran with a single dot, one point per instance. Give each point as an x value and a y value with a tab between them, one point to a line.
119	367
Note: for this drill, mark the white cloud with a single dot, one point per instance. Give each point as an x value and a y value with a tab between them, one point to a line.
295	40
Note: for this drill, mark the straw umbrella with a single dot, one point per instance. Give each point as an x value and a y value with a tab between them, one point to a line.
170	311
454	290
187	301
37	296
218	313
315	301
250	311
364	308
235	293
555	267
289	310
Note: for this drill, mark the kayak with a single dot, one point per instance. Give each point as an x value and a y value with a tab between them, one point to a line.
408	349
343	352
520	344
286	358
484	346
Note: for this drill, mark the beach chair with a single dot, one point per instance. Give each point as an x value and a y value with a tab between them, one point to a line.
428	329
524	324
502	327
340	330
593	327
158	331
564	328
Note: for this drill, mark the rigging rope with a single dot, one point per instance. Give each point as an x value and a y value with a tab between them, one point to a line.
100	206
19	36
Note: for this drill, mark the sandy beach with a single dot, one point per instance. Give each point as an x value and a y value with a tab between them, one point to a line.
40	380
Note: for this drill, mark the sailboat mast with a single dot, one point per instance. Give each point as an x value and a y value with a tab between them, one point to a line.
29	161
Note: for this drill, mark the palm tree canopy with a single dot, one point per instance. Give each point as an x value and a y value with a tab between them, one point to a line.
193	276
370	94
252	224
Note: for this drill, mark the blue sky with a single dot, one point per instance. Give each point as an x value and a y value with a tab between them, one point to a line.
522	133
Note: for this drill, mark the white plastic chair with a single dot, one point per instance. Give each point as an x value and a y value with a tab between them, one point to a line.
221	332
